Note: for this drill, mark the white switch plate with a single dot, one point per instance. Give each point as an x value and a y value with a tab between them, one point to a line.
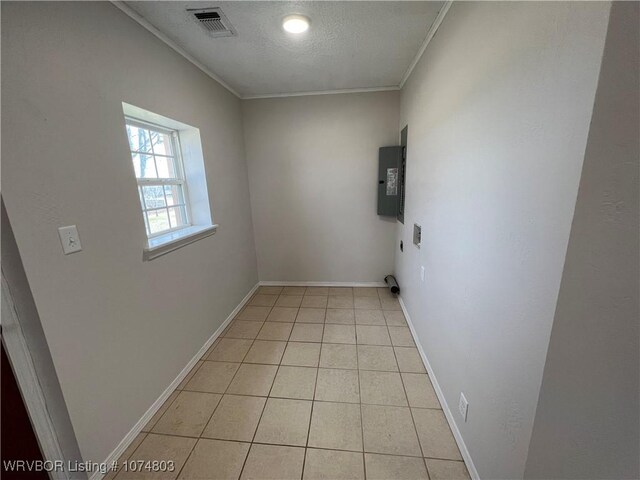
70	239
422	273
463	406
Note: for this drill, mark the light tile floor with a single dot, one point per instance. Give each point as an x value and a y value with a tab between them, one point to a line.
305	383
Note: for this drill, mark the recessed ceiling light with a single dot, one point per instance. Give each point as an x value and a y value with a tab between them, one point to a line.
295	23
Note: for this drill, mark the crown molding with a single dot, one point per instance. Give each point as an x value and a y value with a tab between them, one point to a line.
161	36
430	34
322	92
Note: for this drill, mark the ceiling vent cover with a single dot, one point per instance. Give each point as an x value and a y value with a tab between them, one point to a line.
213	21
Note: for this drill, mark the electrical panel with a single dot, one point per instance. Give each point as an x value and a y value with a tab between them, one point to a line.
389	164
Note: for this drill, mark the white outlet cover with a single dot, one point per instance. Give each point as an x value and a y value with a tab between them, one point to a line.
463	406
422	273
70	239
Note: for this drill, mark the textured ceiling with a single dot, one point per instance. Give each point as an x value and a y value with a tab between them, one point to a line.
350	45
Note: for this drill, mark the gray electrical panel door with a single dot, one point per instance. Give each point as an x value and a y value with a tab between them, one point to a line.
389	162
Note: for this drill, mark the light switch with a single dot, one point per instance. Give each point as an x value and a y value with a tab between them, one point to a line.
70	239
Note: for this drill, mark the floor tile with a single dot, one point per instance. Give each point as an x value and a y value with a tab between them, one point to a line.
301	354
294	290
156	416
339	334
289	301
336	426
160	447
338	356
395	318
389	430
314	301
307	332
419	390
254	314
401	337
294	382
189	376
273	462
270	290
390	303
340	301
188	414
372	335
212	377
382	388
268	352
242	329
341	291
344	316
275	331
336	385
409	360
283	314
384	292
317	291
284	422
446	470
435	435
310	315
386	467
230	350
374	357
369	303
263	300
365	292
215	460
369	317
127	453
253	379
333	465
236	418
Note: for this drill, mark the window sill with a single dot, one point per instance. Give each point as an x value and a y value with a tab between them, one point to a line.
158	246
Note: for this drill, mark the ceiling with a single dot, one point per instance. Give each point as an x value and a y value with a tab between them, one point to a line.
350	44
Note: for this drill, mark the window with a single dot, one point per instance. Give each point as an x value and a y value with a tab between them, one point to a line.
168	165
157	163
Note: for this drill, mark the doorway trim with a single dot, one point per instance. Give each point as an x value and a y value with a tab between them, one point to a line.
27	379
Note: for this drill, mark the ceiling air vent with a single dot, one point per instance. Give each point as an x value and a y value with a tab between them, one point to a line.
213	21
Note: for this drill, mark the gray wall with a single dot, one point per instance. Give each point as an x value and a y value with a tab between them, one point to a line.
588	414
313	166
498	111
119	330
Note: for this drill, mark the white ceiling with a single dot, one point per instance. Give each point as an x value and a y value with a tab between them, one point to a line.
350	45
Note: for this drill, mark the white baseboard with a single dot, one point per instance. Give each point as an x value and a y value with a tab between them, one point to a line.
269	283
137	428
443	402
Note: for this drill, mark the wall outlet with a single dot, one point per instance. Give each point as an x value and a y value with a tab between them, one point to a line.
417	235
422	273
70	239
463	406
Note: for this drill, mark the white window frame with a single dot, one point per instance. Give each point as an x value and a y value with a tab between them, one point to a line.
179	180
189	159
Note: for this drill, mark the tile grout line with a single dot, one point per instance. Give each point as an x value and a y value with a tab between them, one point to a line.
244	464
413	420
223	394
364	463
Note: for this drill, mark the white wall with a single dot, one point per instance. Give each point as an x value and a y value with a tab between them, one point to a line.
587	419
313	166
119	330
498	110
